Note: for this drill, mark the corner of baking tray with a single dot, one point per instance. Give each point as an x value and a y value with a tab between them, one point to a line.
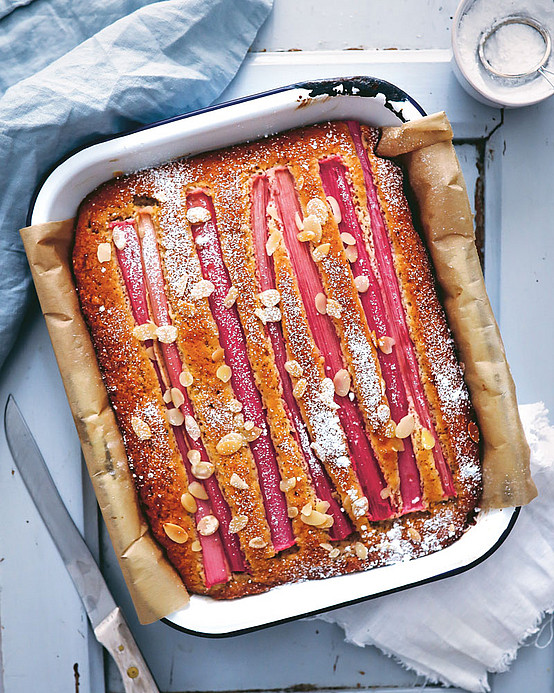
361	85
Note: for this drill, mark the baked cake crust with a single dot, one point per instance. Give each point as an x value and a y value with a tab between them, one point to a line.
227	178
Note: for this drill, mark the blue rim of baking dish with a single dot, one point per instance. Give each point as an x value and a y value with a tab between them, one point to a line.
360	600
361	85
364	87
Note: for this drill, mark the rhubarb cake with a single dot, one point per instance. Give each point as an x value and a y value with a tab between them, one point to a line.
269	332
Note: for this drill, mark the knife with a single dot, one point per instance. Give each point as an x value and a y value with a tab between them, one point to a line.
107	620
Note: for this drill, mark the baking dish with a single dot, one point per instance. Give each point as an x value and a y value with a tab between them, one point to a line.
365	99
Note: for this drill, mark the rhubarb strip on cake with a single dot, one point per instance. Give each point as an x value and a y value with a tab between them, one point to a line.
262	230
393	299
134	269
237	368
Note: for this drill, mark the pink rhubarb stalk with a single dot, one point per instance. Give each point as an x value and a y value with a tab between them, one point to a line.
367	467
242	378
335	184
213	552
259	200
390	292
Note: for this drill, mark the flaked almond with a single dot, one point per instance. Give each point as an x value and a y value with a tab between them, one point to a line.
238	420
185	378
238	523
167	396
145	331
351	253
224	373
397	444
292	512
230	443
294	368
194	456
229	300
141	428
307	509
238	482
347	238
248	425
312	225
405	426
335	553
104	252
166	334
385	492
414	534
188	501
273	242
197	490
360	506
118	237
335	208
321	303
329	522
360	550
177	397
361	283
202	469
322	506
176	533
218	354
192	427
252	434
271	314
318	208
257	543
341	382
305	236
320	252
325	545
196	546
270	298
151	353
202	289
234	406
427	439
314	519
473	431
271	210
175	417
287	484
333	308
198	215
298	221
208	525
386	344
300	388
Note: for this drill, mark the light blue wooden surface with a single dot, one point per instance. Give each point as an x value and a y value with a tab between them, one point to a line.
44	632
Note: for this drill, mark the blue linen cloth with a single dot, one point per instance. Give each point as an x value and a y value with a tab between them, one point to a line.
74	70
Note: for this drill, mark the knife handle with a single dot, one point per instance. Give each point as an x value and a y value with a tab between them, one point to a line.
113	632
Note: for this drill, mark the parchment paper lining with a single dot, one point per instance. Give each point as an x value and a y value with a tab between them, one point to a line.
425	149
155	587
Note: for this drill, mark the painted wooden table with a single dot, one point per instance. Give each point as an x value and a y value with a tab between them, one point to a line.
508	160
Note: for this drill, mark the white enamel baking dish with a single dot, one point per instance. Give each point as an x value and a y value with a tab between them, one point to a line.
361	98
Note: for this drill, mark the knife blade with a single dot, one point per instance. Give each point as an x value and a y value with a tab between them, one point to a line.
107	620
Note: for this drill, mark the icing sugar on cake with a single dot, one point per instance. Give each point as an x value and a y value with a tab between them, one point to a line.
272	343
